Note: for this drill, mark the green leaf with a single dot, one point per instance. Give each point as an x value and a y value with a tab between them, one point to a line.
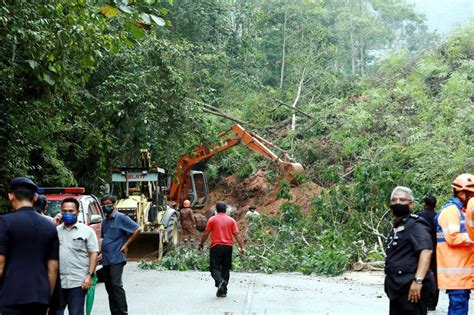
137	32
158	20
171	2
33	64
48	79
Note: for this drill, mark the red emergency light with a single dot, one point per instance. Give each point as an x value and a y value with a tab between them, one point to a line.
61	190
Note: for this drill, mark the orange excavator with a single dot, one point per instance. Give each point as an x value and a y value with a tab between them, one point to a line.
141	190
190	184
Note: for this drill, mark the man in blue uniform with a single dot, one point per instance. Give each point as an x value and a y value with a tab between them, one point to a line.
118	232
29	252
408	281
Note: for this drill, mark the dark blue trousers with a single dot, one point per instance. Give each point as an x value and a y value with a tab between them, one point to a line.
458	302
74	300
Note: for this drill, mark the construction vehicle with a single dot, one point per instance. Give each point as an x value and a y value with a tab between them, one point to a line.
142	191
191	184
141	196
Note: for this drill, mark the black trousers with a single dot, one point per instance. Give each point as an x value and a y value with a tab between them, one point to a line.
221	263
114	287
401	306
433	298
24	309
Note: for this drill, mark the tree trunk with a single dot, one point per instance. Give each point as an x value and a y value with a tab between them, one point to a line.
283	53
353	53
361	41
297	98
362	58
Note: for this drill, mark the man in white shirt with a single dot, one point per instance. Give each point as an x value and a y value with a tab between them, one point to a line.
252	212
78	250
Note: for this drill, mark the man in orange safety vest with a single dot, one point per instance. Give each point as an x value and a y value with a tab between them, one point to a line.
455	249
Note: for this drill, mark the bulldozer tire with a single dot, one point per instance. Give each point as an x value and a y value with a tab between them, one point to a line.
172	234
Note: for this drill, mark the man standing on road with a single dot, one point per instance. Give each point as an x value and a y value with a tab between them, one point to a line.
408	281
29	252
77	257
454	249
222	228
429	214
188	221
116	230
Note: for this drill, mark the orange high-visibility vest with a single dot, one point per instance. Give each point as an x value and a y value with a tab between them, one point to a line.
454	248
470	218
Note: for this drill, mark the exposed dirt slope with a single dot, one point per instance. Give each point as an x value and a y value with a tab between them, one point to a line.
255	190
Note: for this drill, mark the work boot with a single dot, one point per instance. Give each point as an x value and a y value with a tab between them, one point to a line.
222	289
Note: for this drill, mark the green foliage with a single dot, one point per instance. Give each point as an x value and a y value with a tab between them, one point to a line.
285	244
182	259
284	191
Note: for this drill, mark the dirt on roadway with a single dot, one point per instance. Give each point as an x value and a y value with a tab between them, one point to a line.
171	292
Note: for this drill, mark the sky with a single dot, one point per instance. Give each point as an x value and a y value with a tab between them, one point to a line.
445	15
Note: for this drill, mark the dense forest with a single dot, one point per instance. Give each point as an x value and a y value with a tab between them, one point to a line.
358	91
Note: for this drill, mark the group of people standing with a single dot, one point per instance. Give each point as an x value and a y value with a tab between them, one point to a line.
430	251
49	264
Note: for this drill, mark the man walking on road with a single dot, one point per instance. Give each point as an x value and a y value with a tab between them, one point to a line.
188	221
222	229
29	252
77	257
454	249
408	281
116	231
429	214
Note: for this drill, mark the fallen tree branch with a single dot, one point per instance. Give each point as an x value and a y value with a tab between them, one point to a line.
220	114
305	241
371	265
295	109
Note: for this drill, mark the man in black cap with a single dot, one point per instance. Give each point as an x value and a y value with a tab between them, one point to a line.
29	252
429	214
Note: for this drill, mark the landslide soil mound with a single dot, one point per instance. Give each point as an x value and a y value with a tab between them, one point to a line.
256	190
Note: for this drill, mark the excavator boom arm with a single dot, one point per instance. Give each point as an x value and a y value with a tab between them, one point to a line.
180	186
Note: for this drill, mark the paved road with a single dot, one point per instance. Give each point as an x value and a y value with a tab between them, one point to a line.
170	292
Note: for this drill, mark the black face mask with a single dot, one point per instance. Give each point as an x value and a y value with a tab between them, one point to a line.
400	210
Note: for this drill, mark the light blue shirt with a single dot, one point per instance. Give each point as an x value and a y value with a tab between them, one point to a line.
115	232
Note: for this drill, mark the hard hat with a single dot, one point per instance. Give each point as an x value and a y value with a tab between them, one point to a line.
463	182
186	203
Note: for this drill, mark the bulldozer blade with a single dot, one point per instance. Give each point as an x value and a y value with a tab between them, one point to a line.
145	246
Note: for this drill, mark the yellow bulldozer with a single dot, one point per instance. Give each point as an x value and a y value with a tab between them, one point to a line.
141	196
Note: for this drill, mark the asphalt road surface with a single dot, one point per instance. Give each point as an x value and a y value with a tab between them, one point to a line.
170	292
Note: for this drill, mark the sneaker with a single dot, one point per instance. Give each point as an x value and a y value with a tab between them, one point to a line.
222	289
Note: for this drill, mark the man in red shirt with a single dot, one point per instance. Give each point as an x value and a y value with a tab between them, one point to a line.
222	229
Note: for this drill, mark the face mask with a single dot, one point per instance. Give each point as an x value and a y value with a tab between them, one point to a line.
400	210
108	209
69	218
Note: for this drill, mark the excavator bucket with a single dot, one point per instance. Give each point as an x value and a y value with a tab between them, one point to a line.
289	171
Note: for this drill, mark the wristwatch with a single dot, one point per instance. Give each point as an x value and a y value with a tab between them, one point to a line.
419	280
90	274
